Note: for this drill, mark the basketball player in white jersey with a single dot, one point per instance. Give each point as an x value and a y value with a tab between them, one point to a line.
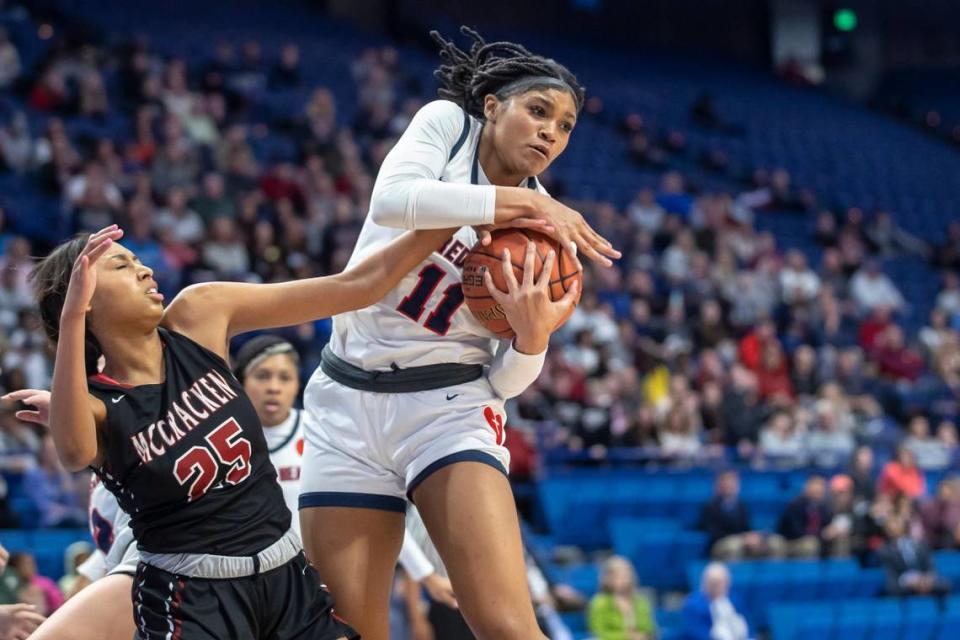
408	401
268	368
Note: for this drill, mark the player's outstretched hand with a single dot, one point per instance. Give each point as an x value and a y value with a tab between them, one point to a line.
4	556
572	231
527	305
36	398
18	621
485	232
83	280
440	590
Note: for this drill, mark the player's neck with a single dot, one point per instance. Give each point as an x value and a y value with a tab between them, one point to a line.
134	359
491	163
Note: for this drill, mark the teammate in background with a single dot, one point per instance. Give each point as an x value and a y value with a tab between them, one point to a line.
408	400
172	435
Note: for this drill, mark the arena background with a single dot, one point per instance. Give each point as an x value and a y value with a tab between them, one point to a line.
781	175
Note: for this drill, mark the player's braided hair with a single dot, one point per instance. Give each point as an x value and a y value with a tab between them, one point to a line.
467	77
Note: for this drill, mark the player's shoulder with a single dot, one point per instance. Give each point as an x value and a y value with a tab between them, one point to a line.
442	115
442	109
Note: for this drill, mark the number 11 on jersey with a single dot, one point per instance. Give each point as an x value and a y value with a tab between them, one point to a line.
415	303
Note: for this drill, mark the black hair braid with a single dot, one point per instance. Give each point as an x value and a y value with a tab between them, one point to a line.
467	77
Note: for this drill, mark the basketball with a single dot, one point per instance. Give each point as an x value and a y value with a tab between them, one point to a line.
483	307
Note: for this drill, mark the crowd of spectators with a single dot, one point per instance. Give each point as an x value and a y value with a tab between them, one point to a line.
708	341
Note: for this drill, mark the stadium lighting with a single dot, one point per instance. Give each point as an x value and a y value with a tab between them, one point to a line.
845	19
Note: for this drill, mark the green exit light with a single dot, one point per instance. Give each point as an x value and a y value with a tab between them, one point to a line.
845	19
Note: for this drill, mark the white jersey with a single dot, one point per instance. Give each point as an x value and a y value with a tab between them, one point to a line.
110	529
285	445
423	320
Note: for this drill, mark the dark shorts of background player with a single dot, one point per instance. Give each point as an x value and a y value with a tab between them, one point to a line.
287	603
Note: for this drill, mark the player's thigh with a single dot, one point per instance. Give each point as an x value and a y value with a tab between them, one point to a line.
469	511
101	611
354	551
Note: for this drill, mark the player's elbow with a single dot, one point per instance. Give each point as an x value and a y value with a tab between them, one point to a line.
386	210
76	457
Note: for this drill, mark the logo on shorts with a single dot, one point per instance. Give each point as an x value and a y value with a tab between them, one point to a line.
495	421
451	396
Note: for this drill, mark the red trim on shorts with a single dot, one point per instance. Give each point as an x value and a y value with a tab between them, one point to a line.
177	622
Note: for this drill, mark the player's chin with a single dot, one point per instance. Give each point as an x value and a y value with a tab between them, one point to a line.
533	163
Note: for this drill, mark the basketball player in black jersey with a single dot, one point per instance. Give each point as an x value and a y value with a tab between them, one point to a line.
171	433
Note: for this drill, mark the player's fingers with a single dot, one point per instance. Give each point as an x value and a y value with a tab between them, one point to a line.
593	254
97	252
31	619
533	223
19	394
497	295
528	264
570	297
29	416
547	271
98	238
508	275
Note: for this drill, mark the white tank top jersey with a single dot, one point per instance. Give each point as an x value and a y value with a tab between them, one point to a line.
285	445
110	530
420	185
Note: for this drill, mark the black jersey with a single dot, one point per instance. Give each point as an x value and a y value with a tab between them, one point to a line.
187	459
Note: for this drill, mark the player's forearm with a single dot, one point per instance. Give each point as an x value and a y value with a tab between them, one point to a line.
511	371
373	277
72	425
425	203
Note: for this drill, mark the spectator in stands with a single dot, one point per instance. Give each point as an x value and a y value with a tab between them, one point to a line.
830	439
781	440
909	564
645	213
618	611
901	476
889	240
862	474
871	289
798	282
773	376
832	274
896	360
25	568
93	198
712	613
51	489
74	556
93	95
804	519
937	333
941	516
947	255
9	60
184	224
224	252
948	300
726	520
929	452
838	534
286	73
16	144
804	375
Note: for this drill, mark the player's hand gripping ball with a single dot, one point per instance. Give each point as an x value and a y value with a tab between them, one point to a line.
489	258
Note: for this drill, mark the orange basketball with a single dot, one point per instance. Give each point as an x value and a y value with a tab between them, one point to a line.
482	305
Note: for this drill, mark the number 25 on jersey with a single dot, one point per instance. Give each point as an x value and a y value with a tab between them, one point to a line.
226	451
